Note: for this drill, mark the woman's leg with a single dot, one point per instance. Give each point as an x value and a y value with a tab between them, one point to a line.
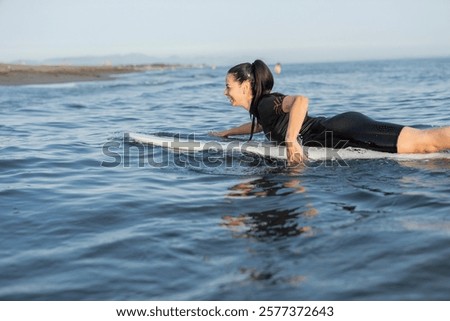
412	140
357	130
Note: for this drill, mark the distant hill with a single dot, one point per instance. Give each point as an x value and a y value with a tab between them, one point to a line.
114	60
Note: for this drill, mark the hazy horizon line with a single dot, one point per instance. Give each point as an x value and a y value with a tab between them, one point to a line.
113	59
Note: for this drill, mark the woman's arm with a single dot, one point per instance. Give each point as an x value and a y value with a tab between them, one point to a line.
244	129
296	106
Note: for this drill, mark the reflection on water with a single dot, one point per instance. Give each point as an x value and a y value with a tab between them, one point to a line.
272	277
271	223
271	227
263	187
268	186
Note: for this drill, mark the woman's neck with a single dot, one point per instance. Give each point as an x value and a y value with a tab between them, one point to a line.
248	103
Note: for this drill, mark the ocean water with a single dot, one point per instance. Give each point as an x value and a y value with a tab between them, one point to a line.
87	215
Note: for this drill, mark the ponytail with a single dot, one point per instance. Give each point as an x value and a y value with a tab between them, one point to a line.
262	84
261	80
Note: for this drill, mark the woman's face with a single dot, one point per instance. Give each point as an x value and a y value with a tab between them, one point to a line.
238	94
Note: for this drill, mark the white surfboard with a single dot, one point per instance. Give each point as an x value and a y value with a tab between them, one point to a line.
266	149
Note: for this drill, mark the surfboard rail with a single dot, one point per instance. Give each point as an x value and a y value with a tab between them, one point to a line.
269	150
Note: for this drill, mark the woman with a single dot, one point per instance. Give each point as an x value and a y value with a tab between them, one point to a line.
284	119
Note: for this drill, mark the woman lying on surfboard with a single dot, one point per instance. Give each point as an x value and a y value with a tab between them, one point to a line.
284	119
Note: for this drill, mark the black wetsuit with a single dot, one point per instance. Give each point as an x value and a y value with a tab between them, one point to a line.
343	130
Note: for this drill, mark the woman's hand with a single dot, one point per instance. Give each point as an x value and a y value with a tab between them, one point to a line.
244	129
223	134
295	153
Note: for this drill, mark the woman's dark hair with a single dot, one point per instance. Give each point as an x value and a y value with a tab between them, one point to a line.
261	80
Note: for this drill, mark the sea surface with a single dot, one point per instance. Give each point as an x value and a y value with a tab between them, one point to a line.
87	215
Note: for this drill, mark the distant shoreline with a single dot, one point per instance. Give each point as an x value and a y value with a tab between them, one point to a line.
14	74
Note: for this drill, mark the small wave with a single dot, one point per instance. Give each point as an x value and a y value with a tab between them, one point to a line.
60	85
75	106
113	85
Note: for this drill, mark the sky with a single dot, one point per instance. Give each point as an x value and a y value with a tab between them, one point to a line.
225	30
